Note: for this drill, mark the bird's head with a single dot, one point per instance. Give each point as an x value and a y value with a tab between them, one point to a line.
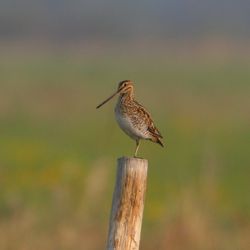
125	86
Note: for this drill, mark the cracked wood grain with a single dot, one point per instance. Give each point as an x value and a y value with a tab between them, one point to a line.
128	204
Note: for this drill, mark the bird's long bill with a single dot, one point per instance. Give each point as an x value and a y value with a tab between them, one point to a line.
107	100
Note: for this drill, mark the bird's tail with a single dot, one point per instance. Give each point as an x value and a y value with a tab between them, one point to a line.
157	140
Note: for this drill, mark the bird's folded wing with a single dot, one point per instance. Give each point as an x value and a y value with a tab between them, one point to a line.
153	130
148	120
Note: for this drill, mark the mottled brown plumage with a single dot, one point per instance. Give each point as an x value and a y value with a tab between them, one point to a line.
132	117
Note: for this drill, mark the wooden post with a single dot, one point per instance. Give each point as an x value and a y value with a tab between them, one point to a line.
128	203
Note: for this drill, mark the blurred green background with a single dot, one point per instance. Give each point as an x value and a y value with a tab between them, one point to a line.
191	68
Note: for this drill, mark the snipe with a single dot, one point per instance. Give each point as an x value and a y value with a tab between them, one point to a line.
132	117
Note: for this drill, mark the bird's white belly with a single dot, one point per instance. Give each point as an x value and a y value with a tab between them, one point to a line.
129	128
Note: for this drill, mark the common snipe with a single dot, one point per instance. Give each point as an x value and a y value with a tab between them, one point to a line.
132	117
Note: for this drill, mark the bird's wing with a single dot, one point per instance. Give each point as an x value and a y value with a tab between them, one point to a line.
148	120
153	130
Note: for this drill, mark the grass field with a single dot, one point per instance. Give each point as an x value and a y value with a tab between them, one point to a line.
58	153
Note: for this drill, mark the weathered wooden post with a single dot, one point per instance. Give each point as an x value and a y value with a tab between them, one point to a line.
128	203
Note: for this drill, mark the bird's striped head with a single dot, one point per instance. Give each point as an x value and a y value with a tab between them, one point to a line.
125	86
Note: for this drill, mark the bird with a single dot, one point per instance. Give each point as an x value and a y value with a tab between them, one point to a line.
132	117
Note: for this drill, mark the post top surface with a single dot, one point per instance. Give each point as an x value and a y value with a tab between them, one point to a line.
127	158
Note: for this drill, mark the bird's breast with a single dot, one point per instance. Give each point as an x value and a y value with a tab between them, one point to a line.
129	124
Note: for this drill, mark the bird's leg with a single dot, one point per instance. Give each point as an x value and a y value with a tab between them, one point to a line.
137	146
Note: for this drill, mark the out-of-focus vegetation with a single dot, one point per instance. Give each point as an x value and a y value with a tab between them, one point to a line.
190	64
58	153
